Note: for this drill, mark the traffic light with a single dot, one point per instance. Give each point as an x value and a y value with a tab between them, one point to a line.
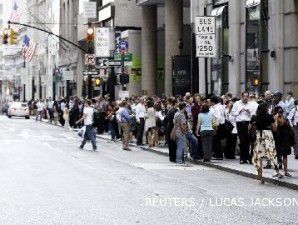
124	79
97	82
256	82
13	37
90	35
5	37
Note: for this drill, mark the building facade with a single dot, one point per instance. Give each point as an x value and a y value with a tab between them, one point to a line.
254	49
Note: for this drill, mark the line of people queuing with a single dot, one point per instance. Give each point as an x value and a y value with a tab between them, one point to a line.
209	128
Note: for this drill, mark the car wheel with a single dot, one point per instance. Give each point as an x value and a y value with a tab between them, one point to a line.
27	117
9	116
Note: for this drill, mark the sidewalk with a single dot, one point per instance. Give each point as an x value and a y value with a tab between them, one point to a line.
233	166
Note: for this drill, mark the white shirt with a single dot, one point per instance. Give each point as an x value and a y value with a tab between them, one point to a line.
218	111
140	111
254	107
40	106
89	112
293	117
232	119
50	104
290	105
245	115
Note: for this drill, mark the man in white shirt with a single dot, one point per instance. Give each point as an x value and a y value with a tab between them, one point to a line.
140	111
88	122
218	111
243	110
293	120
290	102
50	109
253	104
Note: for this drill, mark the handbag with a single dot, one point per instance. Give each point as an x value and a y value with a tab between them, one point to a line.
252	132
228	127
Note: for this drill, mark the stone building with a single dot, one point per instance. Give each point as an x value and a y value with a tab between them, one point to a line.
255	40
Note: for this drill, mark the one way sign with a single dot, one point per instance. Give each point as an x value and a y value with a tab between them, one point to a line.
90	59
113	63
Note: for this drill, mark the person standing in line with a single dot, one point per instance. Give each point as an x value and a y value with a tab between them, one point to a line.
140	111
284	140
253	104
264	146
88	122
290	102
169	126
50	109
180	129
218	111
66	117
111	119
293	120
242	111
150	123
229	150
125	118
205	131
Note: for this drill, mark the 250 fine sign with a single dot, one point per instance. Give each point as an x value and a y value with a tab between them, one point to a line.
206	45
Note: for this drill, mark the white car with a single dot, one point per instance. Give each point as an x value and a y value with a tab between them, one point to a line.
19	109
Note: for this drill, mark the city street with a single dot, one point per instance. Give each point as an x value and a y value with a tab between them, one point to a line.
46	179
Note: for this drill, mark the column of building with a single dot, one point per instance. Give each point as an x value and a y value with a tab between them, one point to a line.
276	44
149	51
234	46
173	32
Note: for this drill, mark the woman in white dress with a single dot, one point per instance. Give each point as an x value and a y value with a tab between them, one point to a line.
150	123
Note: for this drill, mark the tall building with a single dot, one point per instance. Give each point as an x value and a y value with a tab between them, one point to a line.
254	49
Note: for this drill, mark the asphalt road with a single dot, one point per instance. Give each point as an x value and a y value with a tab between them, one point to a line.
46	179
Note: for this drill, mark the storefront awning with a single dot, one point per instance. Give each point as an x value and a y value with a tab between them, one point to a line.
217	11
252	3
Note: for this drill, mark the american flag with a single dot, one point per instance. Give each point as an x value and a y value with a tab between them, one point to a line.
28	50
15	15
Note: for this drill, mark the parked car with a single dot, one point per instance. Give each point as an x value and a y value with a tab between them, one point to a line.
19	109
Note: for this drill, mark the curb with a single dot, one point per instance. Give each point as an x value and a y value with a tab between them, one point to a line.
222	168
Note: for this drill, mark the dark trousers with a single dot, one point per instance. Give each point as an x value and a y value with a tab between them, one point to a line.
230	147
296	140
140	131
207	142
172	150
216	146
242	128
101	122
89	135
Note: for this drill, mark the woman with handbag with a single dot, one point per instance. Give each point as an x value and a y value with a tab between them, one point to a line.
206	129
264	146
285	140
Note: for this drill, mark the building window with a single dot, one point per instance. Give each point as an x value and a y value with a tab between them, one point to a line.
220	64
257	46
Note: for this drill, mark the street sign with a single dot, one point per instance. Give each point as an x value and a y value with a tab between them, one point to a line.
205	25
89	10
86	73
113	63
123	47
206	45
126	58
104	41
90	59
68	75
205	37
